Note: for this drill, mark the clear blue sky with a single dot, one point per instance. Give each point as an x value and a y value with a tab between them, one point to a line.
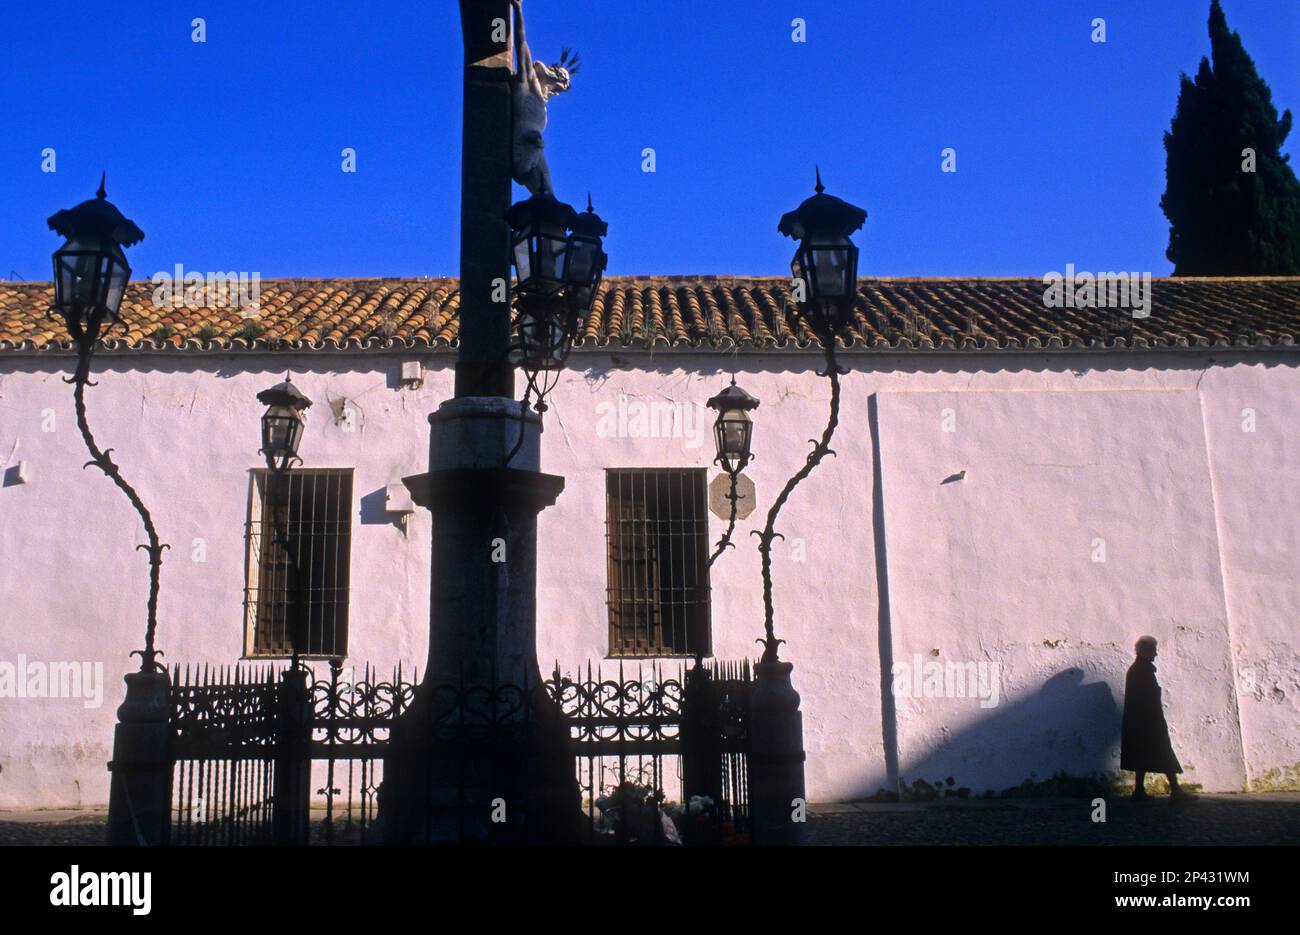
228	153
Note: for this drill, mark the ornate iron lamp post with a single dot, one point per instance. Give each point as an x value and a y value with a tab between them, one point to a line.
90	278
825	268
732	432
825	285
282	426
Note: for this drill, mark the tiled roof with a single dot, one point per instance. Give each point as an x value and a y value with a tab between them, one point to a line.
689	311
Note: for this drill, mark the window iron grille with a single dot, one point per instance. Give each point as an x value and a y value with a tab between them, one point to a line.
658	570
299	554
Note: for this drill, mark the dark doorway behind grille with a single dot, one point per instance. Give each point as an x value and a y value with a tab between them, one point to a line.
302	588
657	532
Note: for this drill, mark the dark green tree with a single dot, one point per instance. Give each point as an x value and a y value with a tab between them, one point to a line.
1225	220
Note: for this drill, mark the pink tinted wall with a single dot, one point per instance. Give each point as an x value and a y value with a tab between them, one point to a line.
1146	452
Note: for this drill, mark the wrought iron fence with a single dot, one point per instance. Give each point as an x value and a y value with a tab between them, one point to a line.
650	749
656	760
350	727
223	740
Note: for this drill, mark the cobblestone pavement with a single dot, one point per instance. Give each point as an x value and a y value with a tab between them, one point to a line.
1263	818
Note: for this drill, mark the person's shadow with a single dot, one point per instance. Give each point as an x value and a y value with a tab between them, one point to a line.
1065	727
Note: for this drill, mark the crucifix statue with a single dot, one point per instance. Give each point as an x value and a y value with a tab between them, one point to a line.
534	84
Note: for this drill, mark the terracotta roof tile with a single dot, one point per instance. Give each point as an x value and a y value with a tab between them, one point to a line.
690	311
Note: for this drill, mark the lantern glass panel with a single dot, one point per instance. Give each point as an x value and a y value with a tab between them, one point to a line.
523	260
829	268
79	268
580	298
584	262
281	432
550	252
118	276
733	432
90	274
543	339
295	434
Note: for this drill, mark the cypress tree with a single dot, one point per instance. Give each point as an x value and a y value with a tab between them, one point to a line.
1225	220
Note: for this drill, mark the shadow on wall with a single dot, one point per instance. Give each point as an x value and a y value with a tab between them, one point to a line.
374	511
1066	726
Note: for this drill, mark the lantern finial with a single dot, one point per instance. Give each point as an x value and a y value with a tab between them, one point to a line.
820	187
101	194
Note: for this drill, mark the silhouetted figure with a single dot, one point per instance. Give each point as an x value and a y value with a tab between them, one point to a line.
1144	739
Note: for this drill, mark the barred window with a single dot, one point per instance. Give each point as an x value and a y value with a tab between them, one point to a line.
656	526
299	551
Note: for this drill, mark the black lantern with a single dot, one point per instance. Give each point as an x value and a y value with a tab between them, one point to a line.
826	260
733	430
586	259
559	260
540	243
546	328
282	424
90	269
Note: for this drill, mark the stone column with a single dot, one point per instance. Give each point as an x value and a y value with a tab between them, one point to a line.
481	731
483	613
484	329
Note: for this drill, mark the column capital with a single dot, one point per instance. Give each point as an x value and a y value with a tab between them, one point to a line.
508	487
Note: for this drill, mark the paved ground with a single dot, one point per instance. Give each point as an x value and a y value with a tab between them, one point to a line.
1263	818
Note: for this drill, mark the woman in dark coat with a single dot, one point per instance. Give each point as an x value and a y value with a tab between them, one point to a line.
1144	739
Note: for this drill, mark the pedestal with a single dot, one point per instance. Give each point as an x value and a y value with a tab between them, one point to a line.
139	796
776	779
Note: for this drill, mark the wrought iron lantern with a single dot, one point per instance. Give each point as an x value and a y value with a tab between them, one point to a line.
546	328
826	260
733	430
559	259
90	269
282	424
585	260
540	243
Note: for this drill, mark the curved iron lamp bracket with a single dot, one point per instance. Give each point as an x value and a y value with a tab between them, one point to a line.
769	534
85	340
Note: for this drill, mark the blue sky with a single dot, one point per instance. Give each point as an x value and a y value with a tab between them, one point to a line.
227	153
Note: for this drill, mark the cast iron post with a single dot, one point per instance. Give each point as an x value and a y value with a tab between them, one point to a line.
292	793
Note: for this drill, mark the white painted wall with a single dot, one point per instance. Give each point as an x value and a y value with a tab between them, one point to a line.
1200	519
